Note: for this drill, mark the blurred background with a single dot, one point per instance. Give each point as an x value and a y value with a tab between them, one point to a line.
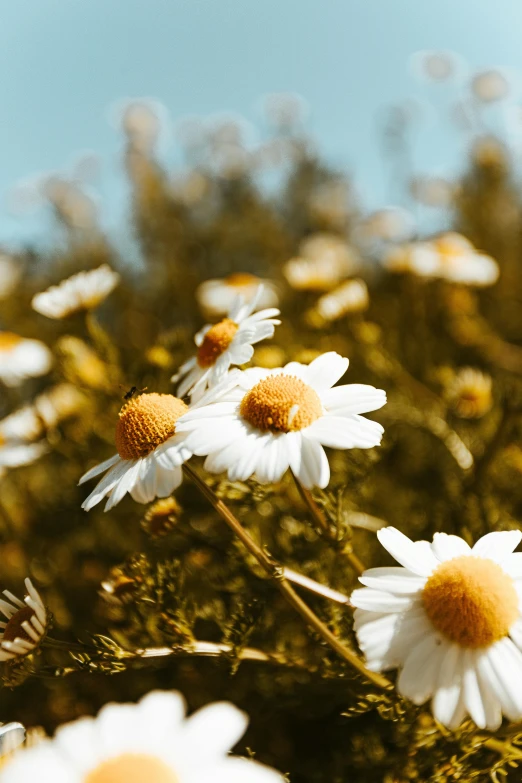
66	64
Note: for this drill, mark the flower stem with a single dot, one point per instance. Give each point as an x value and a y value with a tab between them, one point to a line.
277	574
324	525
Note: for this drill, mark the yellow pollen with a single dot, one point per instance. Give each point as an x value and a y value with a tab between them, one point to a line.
8	340
146	422
471	600
216	341
132	768
14	630
240	279
281	403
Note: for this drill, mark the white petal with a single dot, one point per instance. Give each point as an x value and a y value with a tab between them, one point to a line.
418	559
446	699
124	485
314	469
379	601
505	660
512	565
326	370
446	547
473	698
497	546
393	580
107	483
101	468
215	729
353	398
339	432
417	680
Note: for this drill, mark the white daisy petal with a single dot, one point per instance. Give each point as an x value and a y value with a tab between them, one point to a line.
326	370
418	559
221	724
380	601
497	546
315	469
394	580
447	547
418	678
448	688
505	660
101	468
353	398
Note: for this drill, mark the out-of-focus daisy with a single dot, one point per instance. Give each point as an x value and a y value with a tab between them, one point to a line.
433	191
323	260
48	409
25	626
435	66
217	297
490	86
391	224
15	453
83	291
489	153
229	342
469	393
450	619
12	736
161	517
150	453
450	256
261	422
10	273
21	358
150	741
350	297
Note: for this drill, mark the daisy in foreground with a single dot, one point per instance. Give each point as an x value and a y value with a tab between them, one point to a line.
450	618
83	291
26	624
21	358
150	453
226	343
261	422
148	742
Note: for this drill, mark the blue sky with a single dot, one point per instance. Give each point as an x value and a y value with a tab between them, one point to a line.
64	62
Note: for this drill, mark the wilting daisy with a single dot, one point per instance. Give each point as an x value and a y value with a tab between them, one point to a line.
150	741
21	358
224	344
451	257
83	291
450	619
150	452
217	297
26	624
261	422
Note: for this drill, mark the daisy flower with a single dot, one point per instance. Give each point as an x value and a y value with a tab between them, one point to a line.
323	260
451	257
348	298
261	422
450	619
226	343
149	741
470	393
26	625
14	453
216	297
150	453
490	86
21	358
83	291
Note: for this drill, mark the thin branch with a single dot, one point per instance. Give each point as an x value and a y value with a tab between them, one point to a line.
274	571
324	525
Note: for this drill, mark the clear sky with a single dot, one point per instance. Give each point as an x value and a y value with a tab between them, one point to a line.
63	62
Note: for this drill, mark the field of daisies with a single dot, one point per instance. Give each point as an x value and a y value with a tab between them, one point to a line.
261	488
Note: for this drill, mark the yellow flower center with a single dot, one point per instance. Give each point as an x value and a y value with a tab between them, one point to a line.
132	768
471	600
14	630
281	403
8	340
240	279
216	341
146	422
